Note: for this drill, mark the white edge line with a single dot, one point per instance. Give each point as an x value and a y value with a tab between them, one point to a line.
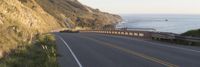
80	65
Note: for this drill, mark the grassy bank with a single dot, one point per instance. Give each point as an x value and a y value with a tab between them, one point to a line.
194	33
42	53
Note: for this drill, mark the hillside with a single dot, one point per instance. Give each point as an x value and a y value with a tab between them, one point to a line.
72	10
20	20
194	33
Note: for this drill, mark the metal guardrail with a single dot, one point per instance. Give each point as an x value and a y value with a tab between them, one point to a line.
137	29
163	35
188	38
147	34
139	34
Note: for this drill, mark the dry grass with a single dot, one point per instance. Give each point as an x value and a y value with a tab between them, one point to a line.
80	15
21	19
19	22
40	54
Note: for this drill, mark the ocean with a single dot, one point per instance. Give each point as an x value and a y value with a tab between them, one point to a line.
161	22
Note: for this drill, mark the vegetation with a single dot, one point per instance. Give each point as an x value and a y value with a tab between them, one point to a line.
40	54
79	14
194	33
20	20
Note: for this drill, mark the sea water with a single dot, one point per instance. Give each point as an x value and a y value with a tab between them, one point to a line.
161	22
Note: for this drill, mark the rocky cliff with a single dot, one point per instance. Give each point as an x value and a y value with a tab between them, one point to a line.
21	19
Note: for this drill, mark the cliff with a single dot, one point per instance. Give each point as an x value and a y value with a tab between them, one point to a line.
21	19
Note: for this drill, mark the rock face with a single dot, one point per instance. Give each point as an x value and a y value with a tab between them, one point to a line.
21	19
80	14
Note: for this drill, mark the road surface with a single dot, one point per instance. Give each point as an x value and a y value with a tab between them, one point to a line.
101	50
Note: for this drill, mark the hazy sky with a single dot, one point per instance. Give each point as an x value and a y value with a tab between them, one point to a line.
146	6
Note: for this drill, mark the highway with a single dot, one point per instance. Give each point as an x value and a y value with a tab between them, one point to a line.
101	50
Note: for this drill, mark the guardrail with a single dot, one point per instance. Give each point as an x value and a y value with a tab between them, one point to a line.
139	34
148	35
137	29
188	38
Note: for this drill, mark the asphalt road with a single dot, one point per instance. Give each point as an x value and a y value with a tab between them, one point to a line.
100	50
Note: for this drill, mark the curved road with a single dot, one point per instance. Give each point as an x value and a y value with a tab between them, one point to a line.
100	50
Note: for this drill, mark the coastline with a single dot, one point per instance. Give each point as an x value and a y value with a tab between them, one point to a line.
177	23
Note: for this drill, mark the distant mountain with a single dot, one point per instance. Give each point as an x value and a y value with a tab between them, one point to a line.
20	20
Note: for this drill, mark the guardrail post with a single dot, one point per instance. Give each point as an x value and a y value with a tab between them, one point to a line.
117	32
121	33
126	33
130	33
141	34
135	34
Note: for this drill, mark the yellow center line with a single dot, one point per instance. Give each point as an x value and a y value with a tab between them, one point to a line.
134	53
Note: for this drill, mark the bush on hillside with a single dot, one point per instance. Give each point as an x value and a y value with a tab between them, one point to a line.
194	33
40	54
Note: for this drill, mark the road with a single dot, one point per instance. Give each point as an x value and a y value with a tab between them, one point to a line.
101	50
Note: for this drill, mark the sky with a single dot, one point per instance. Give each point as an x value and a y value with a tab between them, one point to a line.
146	6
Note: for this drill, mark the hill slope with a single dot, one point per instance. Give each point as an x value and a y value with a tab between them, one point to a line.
75	11
194	33
21	19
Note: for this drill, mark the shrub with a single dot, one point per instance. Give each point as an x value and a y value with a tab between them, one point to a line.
40	54
194	33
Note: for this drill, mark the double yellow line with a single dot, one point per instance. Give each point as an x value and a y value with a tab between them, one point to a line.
134	53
